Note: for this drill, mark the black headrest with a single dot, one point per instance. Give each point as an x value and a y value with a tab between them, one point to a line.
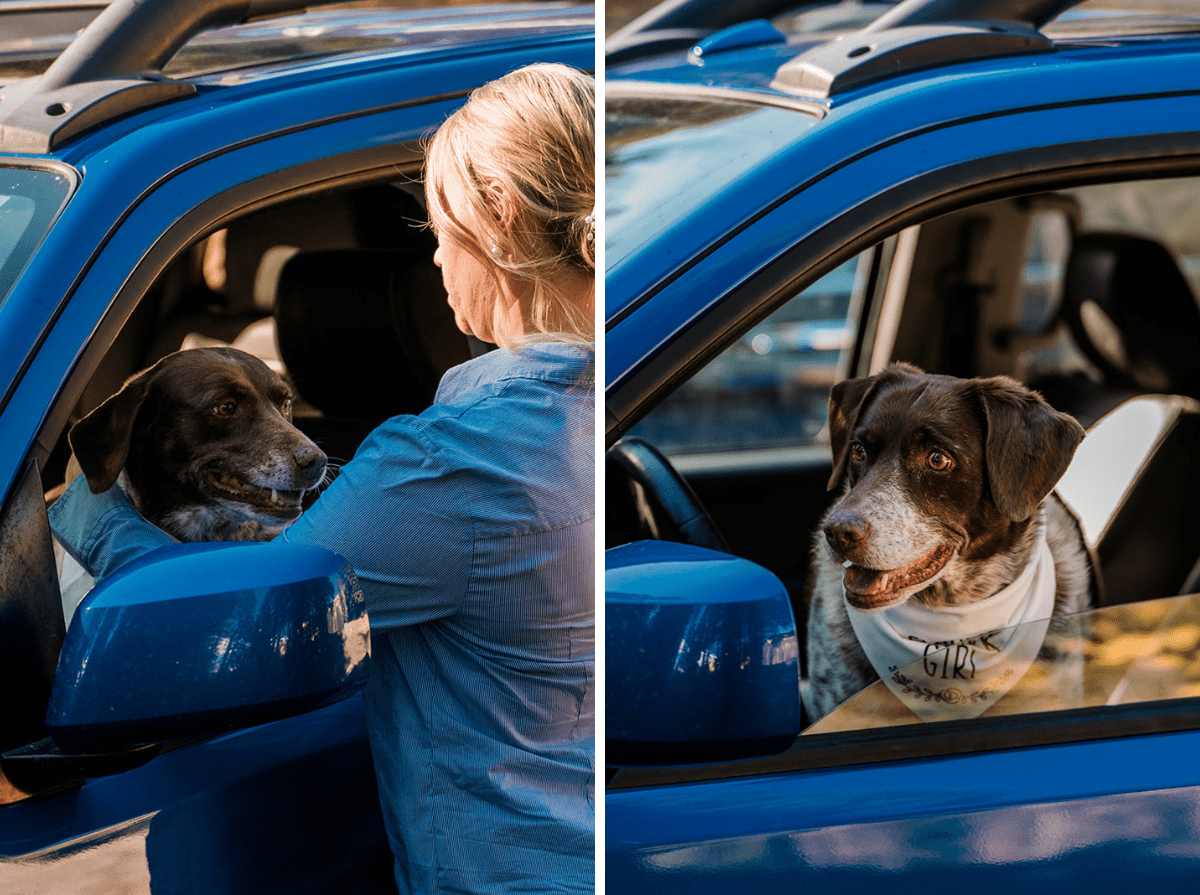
1133	312
353	334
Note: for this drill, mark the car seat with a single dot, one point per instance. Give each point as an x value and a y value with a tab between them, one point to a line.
1134	487
1133	313
364	334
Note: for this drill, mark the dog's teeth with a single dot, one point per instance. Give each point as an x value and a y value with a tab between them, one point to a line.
847	564
274	496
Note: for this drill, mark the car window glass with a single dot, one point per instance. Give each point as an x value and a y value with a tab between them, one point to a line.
30	199
769	389
1117	655
653	144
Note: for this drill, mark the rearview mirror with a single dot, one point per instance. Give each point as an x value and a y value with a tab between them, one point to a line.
196	639
702	660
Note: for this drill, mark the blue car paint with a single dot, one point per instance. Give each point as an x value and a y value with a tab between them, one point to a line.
715	682
846	185
289	805
1086	816
1106	815
233	813
222	629
224	139
864	123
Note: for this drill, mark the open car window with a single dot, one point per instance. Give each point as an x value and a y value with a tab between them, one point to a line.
769	389
1117	655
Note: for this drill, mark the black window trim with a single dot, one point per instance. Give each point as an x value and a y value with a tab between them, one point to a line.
918	741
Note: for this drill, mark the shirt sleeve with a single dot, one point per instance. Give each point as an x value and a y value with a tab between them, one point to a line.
399	514
102	532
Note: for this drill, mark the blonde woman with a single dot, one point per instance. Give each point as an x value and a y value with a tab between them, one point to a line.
471	526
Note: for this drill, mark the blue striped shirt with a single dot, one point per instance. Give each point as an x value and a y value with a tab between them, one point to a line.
472	530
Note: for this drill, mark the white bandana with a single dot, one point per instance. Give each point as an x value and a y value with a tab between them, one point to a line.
972	655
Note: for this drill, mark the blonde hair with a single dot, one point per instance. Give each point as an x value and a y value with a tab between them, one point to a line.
523	148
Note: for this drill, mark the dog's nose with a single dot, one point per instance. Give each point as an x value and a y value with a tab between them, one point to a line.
309	457
847	532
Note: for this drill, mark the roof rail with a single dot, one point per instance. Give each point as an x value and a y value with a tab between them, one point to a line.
681	24
114	68
921	34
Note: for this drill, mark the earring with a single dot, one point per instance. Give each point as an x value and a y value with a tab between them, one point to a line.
496	253
590	220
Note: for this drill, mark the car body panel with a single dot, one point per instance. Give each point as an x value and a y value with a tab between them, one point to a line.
225	814
1029	817
287	805
859	125
1097	797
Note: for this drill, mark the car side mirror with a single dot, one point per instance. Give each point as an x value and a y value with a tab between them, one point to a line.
702	660
197	639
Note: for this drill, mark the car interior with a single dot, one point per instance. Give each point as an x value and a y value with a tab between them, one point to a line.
1088	295
337	292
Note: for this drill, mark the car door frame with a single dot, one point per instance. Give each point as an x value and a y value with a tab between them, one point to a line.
716	297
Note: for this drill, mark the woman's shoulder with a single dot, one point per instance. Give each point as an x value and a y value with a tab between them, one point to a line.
491	409
561	364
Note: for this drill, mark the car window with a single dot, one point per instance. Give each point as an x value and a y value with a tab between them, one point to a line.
1117	655
770	389
30	199
653	144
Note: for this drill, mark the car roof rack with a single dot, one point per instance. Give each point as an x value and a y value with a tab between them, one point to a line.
114	68
920	34
681	24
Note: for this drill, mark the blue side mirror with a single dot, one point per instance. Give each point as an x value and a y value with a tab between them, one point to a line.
196	639
702	659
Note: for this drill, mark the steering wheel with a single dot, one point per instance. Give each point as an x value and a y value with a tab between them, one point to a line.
664	504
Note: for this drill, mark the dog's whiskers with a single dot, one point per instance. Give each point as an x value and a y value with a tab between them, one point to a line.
332	469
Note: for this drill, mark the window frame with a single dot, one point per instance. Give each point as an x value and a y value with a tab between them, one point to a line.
1042	169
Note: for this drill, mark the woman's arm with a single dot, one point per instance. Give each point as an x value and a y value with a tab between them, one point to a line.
102	532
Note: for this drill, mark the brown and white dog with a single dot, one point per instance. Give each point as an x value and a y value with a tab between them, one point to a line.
946	502
204	446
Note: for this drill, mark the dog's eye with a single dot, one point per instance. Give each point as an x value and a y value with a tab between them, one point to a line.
225	408
285	406
858	452
938	461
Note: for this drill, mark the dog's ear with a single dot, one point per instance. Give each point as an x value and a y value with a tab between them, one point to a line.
100	441
1028	446
846	401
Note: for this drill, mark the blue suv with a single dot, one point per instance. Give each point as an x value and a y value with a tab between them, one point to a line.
802	193
198	172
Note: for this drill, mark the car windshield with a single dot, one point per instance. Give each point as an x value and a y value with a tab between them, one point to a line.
666	157
1134	652
30	199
